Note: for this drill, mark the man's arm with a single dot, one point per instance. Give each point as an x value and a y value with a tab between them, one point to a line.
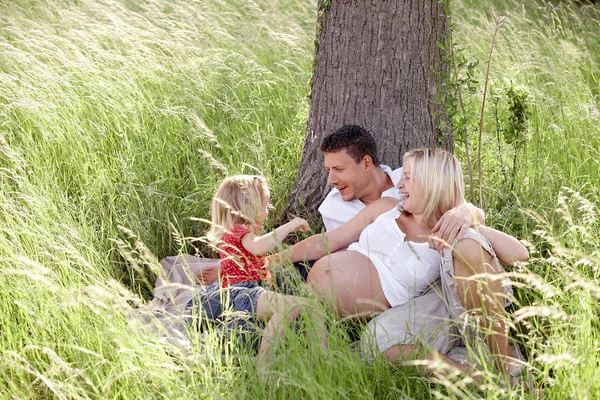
454	224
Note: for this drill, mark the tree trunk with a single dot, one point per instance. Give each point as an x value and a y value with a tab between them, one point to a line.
378	65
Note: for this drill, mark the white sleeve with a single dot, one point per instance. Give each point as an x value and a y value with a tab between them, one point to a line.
336	212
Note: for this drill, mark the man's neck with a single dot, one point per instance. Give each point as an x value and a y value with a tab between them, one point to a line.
379	184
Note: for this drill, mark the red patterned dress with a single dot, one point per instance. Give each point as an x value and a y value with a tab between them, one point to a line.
237	263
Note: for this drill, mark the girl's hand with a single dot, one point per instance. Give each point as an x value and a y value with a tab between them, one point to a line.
208	274
299	225
264	244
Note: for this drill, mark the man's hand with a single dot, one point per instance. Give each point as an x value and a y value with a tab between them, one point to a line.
208	274
453	225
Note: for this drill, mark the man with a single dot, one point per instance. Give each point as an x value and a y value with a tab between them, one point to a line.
358	179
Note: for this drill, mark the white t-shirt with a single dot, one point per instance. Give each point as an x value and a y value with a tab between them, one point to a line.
336	212
405	268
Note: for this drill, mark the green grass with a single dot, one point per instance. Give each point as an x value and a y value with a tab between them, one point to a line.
123	113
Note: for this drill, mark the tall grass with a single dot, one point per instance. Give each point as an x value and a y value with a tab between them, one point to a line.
549	54
120	113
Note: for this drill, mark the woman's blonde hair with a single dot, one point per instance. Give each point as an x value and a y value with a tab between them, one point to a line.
239	200
440	175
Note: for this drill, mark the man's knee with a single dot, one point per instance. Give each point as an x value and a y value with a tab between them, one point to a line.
399	353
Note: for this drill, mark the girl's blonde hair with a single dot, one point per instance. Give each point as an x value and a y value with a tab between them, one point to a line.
239	200
440	175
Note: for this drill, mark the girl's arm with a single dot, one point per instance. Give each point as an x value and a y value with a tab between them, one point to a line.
260	245
318	246
507	248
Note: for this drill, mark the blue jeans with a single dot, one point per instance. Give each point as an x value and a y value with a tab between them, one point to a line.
242	298
285	283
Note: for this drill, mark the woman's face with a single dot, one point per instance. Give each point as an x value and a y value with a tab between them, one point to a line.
411	190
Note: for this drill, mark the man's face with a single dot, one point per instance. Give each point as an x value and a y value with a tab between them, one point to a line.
346	175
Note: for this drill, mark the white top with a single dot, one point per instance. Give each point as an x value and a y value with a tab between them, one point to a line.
405	268
336	212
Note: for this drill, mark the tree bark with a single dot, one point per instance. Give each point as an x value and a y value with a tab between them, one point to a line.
378	65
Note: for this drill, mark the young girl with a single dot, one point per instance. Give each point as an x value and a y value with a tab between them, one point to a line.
238	212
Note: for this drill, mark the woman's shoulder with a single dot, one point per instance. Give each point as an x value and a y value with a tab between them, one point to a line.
384	203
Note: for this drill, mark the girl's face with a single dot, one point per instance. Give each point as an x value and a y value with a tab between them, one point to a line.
264	210
411	190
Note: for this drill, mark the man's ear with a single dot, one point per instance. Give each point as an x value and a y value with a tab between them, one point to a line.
368	162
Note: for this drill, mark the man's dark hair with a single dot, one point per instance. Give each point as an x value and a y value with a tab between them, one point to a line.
356	140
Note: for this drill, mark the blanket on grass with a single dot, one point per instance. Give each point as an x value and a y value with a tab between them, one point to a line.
166	315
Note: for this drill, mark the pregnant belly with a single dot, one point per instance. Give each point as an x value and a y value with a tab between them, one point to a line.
350	280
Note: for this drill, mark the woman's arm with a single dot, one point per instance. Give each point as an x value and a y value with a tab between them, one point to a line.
318	246
260	245
507	248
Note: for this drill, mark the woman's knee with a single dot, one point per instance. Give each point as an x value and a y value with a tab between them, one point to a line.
470	258
476	277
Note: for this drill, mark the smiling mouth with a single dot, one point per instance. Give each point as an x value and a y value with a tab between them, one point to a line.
341	188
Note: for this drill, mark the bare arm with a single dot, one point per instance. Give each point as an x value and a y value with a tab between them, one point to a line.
260	245
318	246
508	249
